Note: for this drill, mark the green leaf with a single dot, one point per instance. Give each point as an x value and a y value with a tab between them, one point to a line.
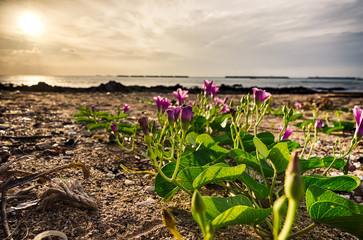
295	116
261	147
280	156
223	139
241	215
205	140
101	114
345	124
217	205
199	124
163	187
301	124
95	126
316	162
83	119
81	114
221	124
266	137
218	173
260	190
187	176
339	183
328	130
328	208
291	145
242	157
191	138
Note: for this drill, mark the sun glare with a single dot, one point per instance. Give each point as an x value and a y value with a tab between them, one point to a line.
30	24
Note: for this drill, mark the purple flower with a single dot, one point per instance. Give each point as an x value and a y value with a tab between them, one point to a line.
218	101
126	107
214	90
144	125
298	105
286	134
207	86
171	115
186	116
358	115
180	95
93	108
225	108
177	110
114	127
318	124
162	103
260	95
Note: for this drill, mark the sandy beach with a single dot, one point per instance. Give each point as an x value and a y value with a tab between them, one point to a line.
39	127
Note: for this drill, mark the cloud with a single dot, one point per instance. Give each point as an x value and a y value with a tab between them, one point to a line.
197	37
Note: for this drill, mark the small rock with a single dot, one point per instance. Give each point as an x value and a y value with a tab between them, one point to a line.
69	142
43	146
150	189
110	175
147	202
129	182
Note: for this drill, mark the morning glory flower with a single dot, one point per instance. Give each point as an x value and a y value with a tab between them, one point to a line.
286	134
180	95
176	110
260	95
171	115
126	107
208	86
225	108
218	101
93	108
144	125
113	127
297	105
186	116
162	103
318	124
358	115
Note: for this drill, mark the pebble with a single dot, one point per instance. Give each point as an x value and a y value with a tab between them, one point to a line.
43	146
150	189
147	202
129	182
110	175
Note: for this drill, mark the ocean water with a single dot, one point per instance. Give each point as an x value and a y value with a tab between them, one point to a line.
350	85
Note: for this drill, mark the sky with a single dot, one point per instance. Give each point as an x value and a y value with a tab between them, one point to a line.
183	37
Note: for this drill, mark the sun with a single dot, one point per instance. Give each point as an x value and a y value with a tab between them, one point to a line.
30	24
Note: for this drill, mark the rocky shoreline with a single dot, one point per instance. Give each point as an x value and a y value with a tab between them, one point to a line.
113	86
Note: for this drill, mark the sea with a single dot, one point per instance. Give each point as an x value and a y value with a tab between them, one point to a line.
335	84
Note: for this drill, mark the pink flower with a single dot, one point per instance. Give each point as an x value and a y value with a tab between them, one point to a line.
260	95
176	110
113	127
162	103
286	134
214	90
171	115
225	108
298	105
358	115
218	101
318	124
180	95
207	86
126	107
186	116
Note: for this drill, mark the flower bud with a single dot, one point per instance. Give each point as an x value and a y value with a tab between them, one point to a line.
318	124
198	205
126	107
294	184
186	116
171	115
144	125
113	127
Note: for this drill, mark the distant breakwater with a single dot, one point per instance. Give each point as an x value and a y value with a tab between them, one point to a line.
113	86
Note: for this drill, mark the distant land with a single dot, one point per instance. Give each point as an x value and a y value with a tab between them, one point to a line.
155	76
340	78
254	77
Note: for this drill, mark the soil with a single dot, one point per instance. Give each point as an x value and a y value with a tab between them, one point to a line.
127	205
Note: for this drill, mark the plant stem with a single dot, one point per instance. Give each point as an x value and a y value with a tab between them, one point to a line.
179	155
290	218
303	231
